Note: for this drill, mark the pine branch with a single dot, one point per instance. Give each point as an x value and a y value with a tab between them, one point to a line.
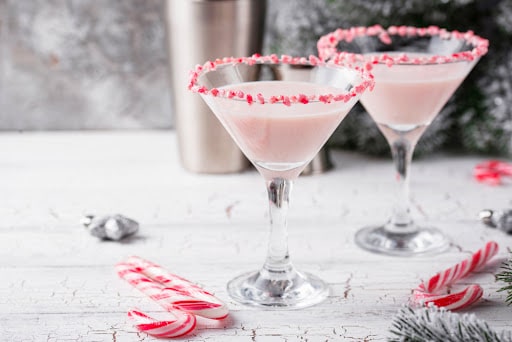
506	276
438	325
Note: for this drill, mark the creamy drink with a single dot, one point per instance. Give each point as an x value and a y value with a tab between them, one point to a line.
280	126
416	71
281	139
411	94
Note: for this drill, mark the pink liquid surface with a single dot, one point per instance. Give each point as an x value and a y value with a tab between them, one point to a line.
412	94
280	140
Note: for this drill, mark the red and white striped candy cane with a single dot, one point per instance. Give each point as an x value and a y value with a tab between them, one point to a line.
462	269
145	285
183	324
428	292
492	171
452	301
169	290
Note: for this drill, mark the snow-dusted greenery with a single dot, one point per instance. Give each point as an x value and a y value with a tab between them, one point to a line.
505	275
438	325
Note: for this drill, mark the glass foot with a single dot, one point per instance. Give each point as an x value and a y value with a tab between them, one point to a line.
275	290
420	241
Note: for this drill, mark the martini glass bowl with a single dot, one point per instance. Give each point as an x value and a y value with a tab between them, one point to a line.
416	71
280	126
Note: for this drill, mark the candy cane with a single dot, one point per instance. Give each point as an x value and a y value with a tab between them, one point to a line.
171	290
181	325
452	301
145	285
462	269
163	276
492	171
425	293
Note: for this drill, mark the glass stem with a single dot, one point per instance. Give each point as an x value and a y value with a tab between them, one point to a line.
278	259
401	221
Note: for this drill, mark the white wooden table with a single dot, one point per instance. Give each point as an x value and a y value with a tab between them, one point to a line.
57	283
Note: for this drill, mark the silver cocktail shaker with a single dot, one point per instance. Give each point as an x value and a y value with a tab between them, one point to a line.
201	30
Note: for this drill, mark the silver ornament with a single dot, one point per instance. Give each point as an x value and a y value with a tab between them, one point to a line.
499	219
110	227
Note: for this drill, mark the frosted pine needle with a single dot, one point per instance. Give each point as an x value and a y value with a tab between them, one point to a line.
506	276
438	325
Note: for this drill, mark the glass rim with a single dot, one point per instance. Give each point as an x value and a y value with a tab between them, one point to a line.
366	80
327	45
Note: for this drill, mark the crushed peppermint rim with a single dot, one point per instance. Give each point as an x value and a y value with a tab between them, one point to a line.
357	89
327	45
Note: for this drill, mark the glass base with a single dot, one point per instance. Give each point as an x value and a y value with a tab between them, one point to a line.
420	241
278	290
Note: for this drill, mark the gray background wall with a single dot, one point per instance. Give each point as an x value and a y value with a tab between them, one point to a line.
79	64
83	64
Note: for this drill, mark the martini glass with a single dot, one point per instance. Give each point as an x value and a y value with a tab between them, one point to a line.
416	71
279	126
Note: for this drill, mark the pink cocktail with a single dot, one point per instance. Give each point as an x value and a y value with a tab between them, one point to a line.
280	126
416	71
280	139
423	90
